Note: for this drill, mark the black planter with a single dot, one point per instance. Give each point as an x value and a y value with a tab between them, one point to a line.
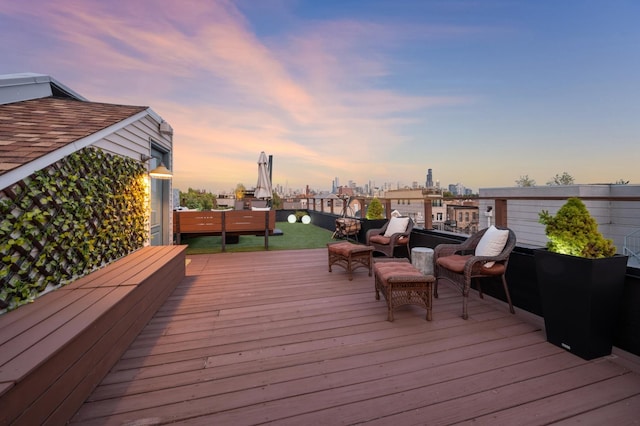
580	300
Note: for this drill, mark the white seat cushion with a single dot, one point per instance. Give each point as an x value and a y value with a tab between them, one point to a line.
492	243
396	225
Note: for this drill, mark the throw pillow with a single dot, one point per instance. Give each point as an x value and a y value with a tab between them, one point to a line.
396	225
492	243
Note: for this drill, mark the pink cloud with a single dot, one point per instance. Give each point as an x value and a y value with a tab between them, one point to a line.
306	99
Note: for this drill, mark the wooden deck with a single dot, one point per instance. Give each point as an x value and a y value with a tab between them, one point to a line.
273	337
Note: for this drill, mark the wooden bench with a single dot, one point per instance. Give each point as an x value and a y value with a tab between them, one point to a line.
225	222
402	284
56	350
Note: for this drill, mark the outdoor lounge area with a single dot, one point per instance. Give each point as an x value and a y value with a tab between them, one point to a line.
273	337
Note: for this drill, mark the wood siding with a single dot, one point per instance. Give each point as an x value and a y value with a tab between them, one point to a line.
134	139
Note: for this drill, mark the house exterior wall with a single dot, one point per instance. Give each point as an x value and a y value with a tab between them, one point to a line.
135	141
131	132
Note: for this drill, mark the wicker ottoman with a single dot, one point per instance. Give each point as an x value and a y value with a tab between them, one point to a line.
402	284
349	256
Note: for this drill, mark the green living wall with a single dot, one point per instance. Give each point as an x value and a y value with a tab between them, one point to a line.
69	219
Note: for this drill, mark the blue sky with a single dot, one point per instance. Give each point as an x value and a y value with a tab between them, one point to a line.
482	92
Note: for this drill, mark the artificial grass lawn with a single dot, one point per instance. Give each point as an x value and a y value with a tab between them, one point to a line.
295	236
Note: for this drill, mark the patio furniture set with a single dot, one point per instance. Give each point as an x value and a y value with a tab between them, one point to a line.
414	281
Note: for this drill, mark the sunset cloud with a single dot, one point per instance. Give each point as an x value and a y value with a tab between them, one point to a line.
363	97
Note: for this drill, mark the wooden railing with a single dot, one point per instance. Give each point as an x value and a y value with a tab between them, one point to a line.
500	208
617	216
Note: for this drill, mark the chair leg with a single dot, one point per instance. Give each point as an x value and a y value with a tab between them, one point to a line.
506	291
465	315
465	300
436	272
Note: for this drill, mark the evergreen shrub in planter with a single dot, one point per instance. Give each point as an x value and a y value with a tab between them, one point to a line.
374	218
375	210
581	279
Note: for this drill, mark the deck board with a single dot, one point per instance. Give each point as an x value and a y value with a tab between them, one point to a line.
252	338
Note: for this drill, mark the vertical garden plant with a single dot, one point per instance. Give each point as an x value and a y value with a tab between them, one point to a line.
69	219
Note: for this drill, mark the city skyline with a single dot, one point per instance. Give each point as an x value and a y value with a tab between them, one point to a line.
371	187
481	92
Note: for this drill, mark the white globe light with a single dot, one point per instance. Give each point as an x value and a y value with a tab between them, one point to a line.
291	218
306	219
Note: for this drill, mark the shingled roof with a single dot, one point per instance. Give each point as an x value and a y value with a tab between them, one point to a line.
33	128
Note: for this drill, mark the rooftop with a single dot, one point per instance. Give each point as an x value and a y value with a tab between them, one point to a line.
272	336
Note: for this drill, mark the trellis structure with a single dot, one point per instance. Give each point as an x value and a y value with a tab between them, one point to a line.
68	219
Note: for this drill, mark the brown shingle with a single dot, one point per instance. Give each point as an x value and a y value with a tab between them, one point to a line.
33	128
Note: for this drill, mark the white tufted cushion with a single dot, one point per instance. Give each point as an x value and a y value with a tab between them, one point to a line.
396	225
492	243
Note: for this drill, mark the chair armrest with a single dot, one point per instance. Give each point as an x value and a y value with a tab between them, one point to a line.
395	237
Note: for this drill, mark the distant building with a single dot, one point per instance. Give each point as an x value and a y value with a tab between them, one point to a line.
429	178
460	190
345	191
410	202
462	218
335	185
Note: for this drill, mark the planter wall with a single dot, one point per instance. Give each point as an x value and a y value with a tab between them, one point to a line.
581	299
627	332
323	220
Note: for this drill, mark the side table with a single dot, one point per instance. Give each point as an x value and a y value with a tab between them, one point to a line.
422	259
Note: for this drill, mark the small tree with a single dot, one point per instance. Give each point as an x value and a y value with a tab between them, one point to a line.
563	179
574	231
240	191
375	209
525	181
276	201
198	199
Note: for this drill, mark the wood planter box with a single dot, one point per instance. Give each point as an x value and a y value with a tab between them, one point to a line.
580	300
